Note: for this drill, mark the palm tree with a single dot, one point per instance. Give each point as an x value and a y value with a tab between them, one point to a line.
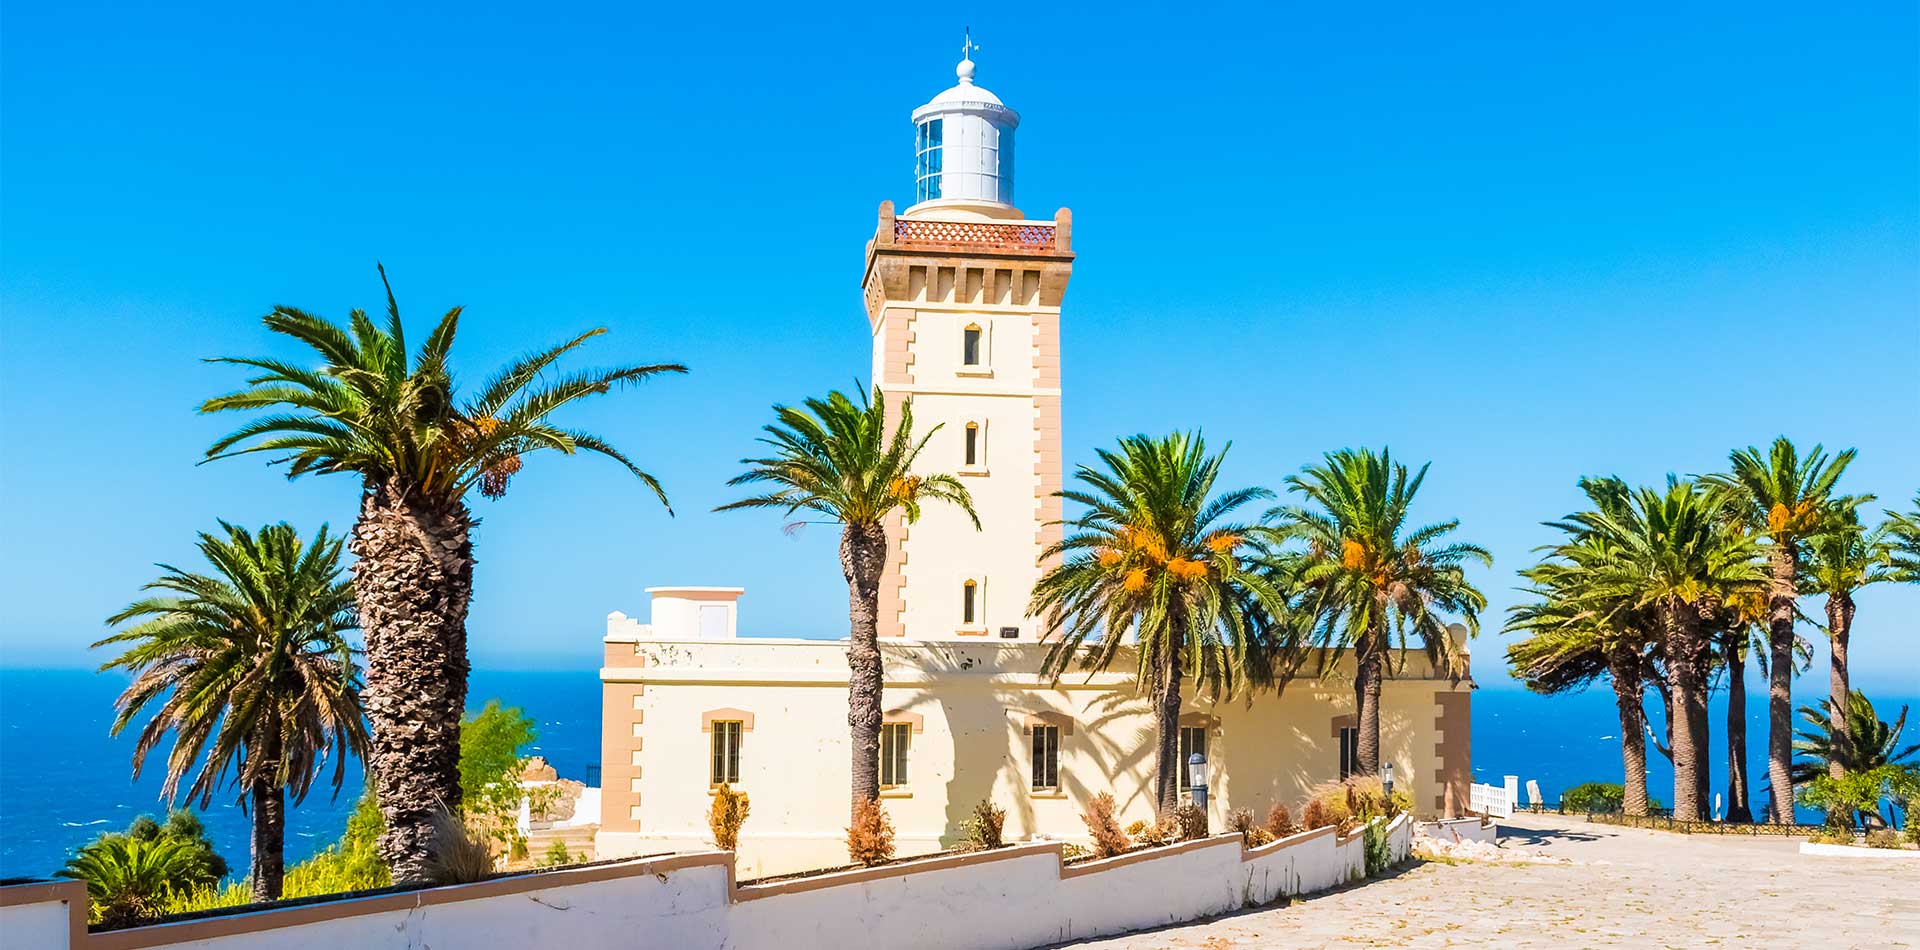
1843	558
1786	497
1874	742
395	421
1903	536
250	670
1575	635
1733	623
835	458
1152	556
1676	555
130	880
1368	578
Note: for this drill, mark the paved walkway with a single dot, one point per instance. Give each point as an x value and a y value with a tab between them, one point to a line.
1627	888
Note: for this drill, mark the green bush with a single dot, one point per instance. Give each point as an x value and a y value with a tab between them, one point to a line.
981	830
351	864
1374	839
1913	823
1593	798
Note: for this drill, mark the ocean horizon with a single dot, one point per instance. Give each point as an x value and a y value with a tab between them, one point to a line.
63	780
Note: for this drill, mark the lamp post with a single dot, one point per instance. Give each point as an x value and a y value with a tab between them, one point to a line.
1197	776
1386	780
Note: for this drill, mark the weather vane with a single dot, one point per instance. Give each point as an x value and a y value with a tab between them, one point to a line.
967	45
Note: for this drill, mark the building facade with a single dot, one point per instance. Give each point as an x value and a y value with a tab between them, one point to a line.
963	296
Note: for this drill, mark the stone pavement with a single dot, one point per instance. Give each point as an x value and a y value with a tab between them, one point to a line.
1626	888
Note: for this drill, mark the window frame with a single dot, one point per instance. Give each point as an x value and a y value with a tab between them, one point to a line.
1043	758
899	759
724	752
1349	752
969	603
1187	734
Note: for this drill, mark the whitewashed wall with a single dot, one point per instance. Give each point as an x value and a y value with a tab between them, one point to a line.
1015	898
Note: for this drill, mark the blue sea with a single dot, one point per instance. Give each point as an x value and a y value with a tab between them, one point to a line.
63	780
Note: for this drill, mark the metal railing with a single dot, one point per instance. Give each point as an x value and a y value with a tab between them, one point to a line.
973	234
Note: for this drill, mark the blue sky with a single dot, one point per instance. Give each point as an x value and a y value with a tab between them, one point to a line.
1525	244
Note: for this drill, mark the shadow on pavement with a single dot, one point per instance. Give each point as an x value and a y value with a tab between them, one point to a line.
1539	837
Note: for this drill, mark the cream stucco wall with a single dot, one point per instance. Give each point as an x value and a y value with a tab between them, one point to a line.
972	702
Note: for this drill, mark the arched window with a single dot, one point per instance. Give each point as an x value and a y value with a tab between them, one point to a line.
970	345
969	596
973	444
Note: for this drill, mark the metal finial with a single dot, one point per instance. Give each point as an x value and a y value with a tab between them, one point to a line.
967	45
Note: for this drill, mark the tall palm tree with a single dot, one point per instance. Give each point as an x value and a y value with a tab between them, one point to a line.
1153	556
1676	554
1785	497
1576	634
836	458
1732	624
1843	558
394	420
250	670
1368	577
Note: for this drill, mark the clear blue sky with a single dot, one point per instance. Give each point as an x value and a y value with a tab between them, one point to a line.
1526	244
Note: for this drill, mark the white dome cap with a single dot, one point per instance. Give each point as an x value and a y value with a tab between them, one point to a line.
966	91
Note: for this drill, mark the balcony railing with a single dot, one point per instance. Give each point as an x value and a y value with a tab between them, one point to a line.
973	234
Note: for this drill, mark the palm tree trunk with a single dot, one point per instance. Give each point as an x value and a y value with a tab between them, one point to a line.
412	583
1738	809
1840	624
1785	568
1628	688
1166	709
863	554
1368	673
1686	714
269	805
269	839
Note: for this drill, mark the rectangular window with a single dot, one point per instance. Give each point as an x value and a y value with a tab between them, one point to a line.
726	752
1349	752
1046	757
894	739
970	346
973	443
968	593
1192	739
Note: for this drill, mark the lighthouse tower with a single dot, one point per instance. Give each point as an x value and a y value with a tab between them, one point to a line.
963	296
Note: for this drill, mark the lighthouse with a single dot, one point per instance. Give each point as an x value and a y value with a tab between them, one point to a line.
963	297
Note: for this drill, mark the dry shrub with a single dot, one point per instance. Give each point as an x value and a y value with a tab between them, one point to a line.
1252	834
870	837
1883	838
459	854
1192	820
1356	801
1072	852
1108	839
1318	815
982	828
1280	822
728	813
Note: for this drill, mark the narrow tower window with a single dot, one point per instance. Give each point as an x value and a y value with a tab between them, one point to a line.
973	443
969	592
970	345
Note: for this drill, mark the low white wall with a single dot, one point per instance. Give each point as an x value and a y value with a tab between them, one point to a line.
1011	898
1858	851
1462	829
41	914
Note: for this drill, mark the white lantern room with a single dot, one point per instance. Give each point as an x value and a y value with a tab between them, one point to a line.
963	151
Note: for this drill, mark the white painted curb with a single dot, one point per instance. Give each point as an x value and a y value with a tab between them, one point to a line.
1858	851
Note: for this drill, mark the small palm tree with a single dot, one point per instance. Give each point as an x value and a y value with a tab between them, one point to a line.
130	880
1785	497
837	459
1677	555
250	670
1843	558
1872	742
1369	578
394	420
1152	556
